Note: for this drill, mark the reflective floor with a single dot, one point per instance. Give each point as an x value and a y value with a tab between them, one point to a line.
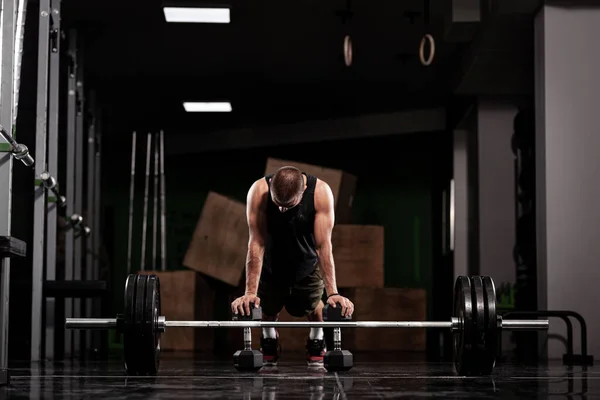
182	378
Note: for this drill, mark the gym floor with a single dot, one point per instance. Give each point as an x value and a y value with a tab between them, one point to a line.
182	378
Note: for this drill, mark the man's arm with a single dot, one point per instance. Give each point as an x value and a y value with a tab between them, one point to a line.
324	221
255	212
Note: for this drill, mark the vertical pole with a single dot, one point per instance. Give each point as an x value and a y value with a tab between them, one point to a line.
79	206
155	204
70	178
163	233
131	197
19	36
6	119
99	338
145	220
39	205
89	214
51	230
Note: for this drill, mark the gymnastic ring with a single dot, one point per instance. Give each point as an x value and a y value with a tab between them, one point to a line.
429	60
347	50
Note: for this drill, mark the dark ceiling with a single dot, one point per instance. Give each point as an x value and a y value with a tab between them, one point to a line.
278	61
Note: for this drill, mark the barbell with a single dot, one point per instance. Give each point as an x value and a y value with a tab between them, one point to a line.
475	326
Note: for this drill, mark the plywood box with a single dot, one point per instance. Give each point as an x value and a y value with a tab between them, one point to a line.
358	255
388	304
185	295
220	242
343	184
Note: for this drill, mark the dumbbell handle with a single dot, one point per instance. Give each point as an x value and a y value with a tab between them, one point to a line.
454	324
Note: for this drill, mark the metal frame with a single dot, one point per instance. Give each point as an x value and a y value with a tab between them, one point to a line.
9	10
131	198
79	149
96	211
39	204
163	210
52	212
19	37
70	178
155	203
145	220
89	214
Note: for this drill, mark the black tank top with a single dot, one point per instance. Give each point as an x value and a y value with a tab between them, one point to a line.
290	253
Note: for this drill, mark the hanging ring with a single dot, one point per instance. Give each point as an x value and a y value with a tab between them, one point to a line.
347	50
429	60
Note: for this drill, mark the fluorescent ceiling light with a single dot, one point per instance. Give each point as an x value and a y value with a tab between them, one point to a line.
197	15
207	107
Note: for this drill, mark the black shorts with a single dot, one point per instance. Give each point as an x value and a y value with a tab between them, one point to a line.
299	299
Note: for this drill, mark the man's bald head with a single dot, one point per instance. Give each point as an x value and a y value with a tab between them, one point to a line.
287	186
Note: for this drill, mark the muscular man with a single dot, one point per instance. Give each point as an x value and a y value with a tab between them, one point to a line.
290	261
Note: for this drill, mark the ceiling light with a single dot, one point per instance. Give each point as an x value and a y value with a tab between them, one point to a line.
197	15
207	107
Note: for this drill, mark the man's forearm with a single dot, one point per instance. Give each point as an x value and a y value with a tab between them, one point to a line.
327	267
254	262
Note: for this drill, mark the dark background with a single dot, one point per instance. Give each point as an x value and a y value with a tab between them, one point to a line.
277	62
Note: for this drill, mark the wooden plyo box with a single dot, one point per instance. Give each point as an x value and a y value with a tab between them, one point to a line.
387	304
220	242
343	184
358	252
185	295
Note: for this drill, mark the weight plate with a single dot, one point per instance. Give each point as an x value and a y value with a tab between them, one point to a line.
130	342
491	324
152	312
463	337
479	326
143	331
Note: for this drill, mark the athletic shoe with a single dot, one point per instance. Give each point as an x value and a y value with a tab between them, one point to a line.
315	351
271	350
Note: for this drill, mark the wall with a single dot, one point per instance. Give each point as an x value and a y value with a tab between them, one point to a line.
567	140
394	190
496	190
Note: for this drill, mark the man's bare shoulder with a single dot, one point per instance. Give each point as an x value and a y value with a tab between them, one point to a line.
258	192
323	195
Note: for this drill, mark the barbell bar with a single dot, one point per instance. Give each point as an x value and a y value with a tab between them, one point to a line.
475	327
454	324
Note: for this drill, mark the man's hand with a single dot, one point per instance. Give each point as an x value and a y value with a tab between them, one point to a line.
345	303
241	305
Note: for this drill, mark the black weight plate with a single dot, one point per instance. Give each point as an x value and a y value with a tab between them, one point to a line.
141	328
152	312
463	337
130	342
479	326
491	324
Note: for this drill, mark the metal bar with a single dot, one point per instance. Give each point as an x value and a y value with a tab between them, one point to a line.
104	323
145	217
97	304
19	37
6	164
89	213
39	205
70	176
131	197
79	206
155	204
163	210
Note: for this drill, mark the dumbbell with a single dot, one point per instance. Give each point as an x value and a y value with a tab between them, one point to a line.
248	359
337	360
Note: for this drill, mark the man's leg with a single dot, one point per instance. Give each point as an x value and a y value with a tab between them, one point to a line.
305	301
272	299
316	316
